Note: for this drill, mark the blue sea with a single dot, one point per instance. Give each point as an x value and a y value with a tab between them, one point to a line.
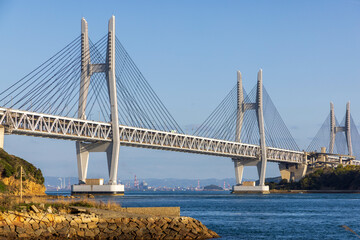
271	216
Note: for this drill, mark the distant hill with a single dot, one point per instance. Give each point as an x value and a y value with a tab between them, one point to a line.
212	187
10	175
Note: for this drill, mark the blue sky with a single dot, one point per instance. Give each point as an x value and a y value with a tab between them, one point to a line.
189	51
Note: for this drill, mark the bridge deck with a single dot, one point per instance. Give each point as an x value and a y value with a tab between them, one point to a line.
51	126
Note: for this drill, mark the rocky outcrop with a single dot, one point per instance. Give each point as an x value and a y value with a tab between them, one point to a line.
39	225
29	187
10	165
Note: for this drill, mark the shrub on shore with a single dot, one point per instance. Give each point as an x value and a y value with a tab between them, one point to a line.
339	178
10	169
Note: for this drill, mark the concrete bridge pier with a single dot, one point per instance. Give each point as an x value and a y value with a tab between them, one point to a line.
239	166
239	169
82	162
247	187
292	172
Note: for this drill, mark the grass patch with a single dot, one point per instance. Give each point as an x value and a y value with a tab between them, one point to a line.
6	202
3	187
10	202
83	203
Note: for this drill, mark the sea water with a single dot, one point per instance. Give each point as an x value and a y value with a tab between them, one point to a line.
255	216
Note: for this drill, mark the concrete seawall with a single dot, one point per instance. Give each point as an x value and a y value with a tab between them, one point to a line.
26	225
154	211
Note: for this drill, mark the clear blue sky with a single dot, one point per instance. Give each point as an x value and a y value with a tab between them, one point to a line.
190	51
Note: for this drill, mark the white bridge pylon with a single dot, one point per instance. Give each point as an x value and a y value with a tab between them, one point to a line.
239	163
336	129
112	148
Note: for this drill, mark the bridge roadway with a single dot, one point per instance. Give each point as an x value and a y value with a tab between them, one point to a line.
50	126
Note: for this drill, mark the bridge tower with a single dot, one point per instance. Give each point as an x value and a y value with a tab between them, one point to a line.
334	129
112	148
240	163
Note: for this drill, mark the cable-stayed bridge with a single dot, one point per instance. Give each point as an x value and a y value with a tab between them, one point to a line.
98	80
338	138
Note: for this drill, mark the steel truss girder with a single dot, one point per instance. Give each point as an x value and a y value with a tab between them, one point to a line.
51	126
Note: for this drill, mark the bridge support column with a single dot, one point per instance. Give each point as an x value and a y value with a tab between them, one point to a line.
347	129
259	167
81	154
111	153
285	171
241	108
82	162
300	172
239	169
292	172
332	128
115	150
260	118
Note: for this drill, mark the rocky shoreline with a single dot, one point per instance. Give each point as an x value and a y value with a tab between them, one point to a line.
86	225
